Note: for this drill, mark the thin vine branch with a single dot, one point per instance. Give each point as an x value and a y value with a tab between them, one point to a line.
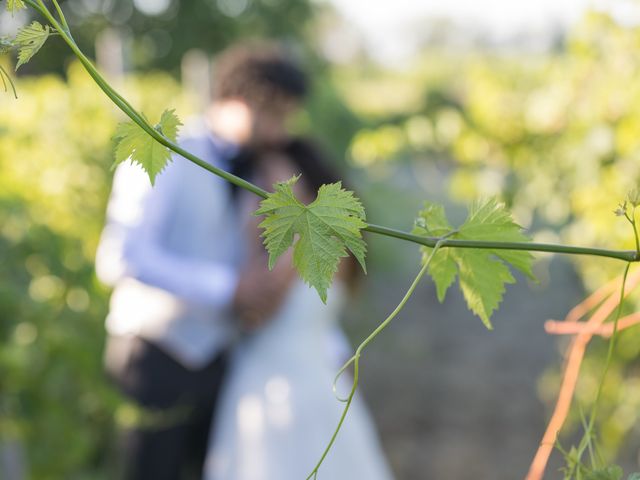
63	20
138	118
586	439
355	359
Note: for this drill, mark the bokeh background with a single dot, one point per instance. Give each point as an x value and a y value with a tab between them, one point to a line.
538	104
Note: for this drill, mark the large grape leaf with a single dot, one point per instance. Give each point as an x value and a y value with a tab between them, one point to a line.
482	273
132	142
325	229
29	40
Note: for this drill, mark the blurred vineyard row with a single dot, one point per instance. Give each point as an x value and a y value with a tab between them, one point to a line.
555	135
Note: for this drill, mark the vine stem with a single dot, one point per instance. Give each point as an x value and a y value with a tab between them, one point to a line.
626	255
61	15
635	229
140	120
355	359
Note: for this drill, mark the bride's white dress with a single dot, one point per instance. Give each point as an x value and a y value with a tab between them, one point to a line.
277	411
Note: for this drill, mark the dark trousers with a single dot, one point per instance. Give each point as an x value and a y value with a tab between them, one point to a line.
171	412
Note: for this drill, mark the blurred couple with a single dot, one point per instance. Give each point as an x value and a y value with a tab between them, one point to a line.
231	365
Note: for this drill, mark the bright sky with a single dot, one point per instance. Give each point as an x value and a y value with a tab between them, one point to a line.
388	26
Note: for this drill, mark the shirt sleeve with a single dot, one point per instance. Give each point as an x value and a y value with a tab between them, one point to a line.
131	244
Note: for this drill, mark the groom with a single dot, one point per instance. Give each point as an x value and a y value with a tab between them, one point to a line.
174	254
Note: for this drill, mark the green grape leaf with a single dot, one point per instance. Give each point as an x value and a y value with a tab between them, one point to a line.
482	273
15	5
29	40
634	476
325	230
132	142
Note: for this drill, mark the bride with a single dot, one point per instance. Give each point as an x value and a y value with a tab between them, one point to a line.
277	411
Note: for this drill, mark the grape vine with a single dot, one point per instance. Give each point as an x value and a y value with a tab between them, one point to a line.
479	253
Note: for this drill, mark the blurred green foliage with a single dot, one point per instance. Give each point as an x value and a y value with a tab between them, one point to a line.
55	153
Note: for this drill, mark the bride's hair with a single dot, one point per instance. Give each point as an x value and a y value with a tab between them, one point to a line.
312	162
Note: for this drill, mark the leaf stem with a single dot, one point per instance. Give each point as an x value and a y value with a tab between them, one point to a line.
586	439
632	220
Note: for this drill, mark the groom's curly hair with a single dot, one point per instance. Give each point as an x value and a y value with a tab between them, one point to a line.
260	74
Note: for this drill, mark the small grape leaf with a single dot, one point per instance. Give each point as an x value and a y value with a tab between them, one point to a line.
482	273
613	472
325	229
15	5
29	40
132	142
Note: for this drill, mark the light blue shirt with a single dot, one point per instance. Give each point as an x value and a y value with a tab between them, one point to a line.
173	252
